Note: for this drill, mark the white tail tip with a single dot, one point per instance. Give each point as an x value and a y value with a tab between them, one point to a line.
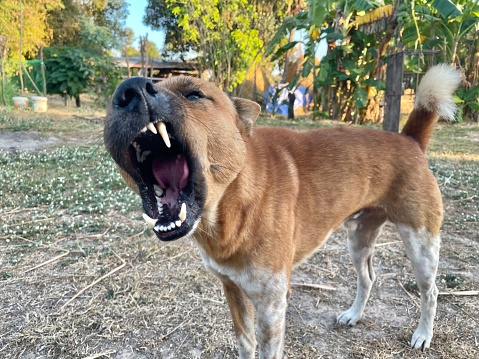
435	91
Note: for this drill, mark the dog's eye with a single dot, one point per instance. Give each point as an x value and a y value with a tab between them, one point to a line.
194	95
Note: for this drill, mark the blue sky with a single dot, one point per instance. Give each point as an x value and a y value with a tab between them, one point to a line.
134	21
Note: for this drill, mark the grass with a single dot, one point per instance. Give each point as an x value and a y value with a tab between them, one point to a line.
70	229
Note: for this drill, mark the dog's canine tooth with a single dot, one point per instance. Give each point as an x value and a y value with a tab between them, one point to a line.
178	223
152	128
182	215
163	133
158	190
150	221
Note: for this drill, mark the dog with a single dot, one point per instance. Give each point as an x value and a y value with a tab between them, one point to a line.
259	202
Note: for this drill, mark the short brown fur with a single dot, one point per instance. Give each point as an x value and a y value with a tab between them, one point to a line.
274	195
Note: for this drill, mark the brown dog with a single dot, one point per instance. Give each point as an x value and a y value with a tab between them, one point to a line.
258	203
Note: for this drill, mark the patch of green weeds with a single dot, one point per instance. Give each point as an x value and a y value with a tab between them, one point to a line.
68	190
5	275
459	183
458	139
75	179
411	286
70	124
452	281
33	123
299	123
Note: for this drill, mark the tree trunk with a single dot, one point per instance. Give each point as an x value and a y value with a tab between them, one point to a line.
21	48
371	112
3	83
42	66
127	62
77	101
3	53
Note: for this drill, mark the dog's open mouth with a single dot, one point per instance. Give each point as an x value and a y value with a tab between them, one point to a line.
163	173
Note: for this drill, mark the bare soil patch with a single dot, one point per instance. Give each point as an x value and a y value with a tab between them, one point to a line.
25	141
81	277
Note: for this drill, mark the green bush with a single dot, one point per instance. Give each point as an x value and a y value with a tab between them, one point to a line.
10	90
72	71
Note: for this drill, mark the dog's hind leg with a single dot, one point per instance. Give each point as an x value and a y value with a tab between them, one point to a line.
242	312
422	248
363	228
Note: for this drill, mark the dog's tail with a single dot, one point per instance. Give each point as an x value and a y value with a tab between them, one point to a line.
433	100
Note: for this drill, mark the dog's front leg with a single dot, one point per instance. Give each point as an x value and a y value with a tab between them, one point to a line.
271	313
242	312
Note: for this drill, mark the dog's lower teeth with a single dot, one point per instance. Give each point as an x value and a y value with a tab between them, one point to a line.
158	190
166	228
178	223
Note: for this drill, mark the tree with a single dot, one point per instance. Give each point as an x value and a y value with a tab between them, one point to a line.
68	22
36	31
227	35
345	78
453	28
73	70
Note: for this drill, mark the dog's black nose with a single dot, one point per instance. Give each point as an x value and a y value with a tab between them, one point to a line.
133	92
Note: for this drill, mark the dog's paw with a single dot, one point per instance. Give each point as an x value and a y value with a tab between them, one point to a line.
349	317
421	339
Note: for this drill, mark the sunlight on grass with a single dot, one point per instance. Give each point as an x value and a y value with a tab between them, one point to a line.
67	189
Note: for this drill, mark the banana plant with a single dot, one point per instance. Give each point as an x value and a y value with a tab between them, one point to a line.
342	82
453	28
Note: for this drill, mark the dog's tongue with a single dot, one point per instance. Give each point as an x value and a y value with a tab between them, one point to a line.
172	175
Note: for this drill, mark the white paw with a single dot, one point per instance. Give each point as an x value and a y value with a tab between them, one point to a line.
421	339
349	317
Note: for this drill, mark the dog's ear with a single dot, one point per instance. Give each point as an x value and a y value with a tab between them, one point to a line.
247	111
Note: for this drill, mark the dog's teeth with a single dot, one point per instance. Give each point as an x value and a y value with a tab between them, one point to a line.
152	128
158	190
138	152
163	133
144	129
143	156
182	215
178	223
172	225
150	221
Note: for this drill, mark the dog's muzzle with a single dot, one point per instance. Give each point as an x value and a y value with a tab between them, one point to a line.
144	133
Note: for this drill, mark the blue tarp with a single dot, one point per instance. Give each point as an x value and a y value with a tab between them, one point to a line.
280	104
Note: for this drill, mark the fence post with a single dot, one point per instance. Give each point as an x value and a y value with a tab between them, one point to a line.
394	77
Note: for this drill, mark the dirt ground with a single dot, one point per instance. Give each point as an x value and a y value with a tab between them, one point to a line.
97	284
